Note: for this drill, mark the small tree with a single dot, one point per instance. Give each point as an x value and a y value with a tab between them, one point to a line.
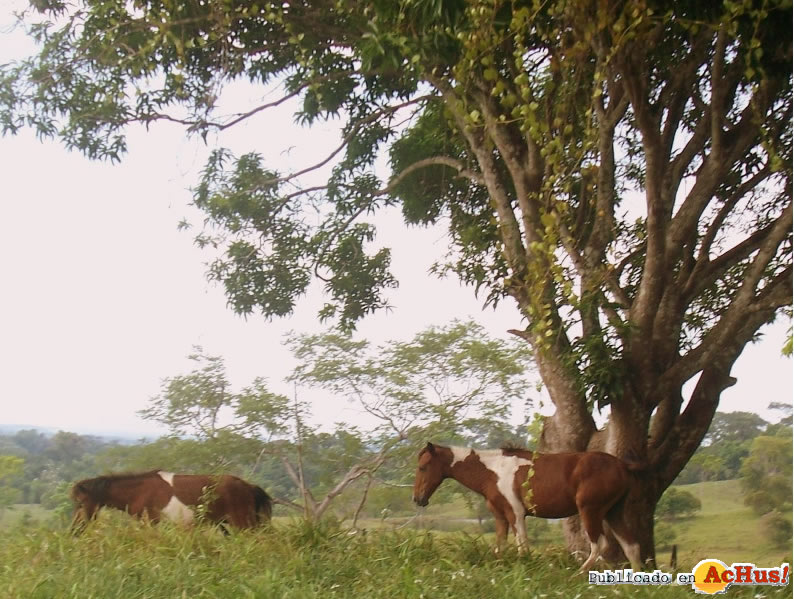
201	404
445	382
766	475
676	503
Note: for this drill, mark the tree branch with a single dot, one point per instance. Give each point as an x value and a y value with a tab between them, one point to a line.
433	161
739	314
509	229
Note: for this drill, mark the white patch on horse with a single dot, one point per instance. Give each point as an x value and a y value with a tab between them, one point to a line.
178	512
505	468
175	510
459	454
167	477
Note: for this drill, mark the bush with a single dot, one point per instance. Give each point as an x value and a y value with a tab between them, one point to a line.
676	503
777	526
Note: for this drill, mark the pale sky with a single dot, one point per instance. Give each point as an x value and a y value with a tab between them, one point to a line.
103	297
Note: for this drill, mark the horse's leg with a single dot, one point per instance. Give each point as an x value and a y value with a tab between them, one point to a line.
239	515
518	525
149	515
83	514
626	539
592	520
79	522
501	532
520	529
500	524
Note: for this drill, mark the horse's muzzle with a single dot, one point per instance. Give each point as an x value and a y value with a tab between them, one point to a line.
420	501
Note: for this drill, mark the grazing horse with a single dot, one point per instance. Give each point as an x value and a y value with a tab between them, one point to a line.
518	483
163	495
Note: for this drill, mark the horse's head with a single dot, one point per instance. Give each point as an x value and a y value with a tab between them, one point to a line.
429	473
87	496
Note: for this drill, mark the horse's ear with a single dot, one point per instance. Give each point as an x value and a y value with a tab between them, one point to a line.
431	449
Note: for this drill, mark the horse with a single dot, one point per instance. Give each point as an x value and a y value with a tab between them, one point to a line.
517	483
157	495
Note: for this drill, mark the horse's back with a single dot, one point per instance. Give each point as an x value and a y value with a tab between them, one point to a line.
561	482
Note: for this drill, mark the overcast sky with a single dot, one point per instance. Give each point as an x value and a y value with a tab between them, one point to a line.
103	297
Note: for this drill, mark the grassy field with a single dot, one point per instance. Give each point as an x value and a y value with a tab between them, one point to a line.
724	529
29	513
118	557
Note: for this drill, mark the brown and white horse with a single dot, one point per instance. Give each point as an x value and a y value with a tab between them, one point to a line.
517	483
160	495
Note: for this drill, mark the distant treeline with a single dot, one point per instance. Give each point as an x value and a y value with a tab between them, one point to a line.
38	467
38	464
729	442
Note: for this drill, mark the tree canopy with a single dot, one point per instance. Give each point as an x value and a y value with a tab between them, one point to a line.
621	170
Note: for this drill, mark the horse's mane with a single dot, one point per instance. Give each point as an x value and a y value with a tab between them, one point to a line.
124	475
515	450
97	487
512	447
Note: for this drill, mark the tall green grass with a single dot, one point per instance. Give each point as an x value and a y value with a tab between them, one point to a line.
119	557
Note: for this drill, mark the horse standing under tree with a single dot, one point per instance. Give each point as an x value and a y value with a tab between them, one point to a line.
517	483
160	495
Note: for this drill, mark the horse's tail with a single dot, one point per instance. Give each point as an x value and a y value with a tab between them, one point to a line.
263	504
636	466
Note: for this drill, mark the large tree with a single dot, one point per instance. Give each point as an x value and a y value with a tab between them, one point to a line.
620	169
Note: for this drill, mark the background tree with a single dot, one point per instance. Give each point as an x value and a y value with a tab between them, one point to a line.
725	446
621	170
451	382
734	427
10	468
32	441
766	474
676	503
777	526
783	426
445	381
50	462
203	405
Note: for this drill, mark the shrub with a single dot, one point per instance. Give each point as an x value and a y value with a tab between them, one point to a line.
677	503
777	526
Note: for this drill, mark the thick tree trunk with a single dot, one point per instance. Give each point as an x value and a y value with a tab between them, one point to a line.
638	512
626	437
